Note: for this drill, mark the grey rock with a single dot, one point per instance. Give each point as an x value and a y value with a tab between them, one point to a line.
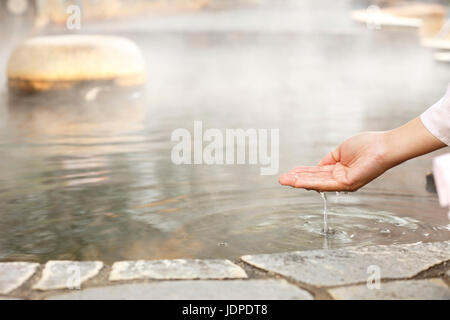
67	274
193	290
434	289
15	274
176	269
350	265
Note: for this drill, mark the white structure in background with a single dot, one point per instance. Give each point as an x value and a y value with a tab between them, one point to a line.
17	7
441	170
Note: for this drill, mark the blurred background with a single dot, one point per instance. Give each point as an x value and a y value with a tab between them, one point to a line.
86	174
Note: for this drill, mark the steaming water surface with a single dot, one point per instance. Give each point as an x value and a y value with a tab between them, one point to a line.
98	182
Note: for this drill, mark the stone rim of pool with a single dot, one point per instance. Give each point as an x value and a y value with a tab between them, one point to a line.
407	271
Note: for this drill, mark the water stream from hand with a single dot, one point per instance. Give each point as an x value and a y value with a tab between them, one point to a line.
325	214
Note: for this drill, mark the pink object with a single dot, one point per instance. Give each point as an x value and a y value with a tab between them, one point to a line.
441	171
437	118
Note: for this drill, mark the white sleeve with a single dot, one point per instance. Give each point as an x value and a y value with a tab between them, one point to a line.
437	119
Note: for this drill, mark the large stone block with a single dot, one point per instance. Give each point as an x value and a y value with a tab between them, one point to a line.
176	269
193	290
67	274
58	62
353	265
434	289
15	274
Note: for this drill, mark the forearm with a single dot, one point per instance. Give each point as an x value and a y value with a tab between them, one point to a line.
409	141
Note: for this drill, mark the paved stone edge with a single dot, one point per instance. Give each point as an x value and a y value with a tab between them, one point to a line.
176	269
73	274
426	289
305	267
25	271
29	289
249	289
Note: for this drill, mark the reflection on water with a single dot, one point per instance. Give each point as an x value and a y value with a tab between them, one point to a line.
94	180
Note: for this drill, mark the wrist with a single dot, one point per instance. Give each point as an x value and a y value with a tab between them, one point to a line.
409	141
390	155
393	151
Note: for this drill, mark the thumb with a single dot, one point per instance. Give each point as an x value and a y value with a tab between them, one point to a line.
330	159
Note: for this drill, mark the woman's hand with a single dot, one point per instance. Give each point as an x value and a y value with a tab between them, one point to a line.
363	158
353	164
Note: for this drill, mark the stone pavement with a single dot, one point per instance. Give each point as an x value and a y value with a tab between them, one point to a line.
410	271
194	290
434	289
14	274
176	269
324	268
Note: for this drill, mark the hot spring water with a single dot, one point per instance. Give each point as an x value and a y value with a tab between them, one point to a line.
106	189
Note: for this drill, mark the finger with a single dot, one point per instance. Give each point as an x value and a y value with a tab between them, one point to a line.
320	181
312	169
318	185
306	179
330	159
288	179
320	175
